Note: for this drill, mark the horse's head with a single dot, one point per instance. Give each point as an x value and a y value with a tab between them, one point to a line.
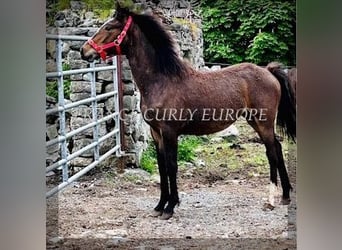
110	38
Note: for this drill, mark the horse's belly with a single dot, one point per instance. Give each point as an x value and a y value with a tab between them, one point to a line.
202	127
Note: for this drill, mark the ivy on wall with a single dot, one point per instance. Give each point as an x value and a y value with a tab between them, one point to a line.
257	31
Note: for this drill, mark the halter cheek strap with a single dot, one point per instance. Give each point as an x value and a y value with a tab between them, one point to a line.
101	49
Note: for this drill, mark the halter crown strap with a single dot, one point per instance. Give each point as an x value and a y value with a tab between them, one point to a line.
116	43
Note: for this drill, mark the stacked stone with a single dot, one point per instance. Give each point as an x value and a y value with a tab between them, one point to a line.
136	131
52	152
184	25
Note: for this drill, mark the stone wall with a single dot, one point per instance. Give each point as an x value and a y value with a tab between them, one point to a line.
185	26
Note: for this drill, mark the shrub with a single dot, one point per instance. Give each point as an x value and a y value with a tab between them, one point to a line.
186	153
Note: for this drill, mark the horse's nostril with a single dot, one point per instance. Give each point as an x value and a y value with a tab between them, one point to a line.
82	53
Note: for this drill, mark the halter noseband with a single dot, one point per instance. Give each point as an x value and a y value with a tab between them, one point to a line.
101	49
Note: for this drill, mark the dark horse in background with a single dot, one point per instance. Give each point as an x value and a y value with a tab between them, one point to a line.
292	75
167	83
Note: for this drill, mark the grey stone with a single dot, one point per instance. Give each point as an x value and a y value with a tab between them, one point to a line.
116	232
105	75
125	64
77	122
127	75
89	15
56	240
109	87
51	48
51	100
129	143
167	248
81	143
76	45
230	131
109	104
51	65
88	23
87	112
128	89
51	131
59	16
74	97
137	173
60	23
77	5
81	162
216	67
115	241
84	87
52	149
129	102
65	48
216	140
77	77
107	145
78	64
73	55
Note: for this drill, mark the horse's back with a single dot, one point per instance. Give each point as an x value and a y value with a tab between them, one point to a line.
257	84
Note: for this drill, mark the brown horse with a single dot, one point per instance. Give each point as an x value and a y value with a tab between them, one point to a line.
177	99
292	75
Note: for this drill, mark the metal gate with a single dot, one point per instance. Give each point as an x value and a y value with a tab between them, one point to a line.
62	107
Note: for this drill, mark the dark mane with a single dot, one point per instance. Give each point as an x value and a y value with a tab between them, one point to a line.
167	60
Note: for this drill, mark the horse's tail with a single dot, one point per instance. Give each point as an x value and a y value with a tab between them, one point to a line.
286	118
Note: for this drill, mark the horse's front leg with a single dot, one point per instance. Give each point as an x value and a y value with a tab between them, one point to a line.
170	154
164	183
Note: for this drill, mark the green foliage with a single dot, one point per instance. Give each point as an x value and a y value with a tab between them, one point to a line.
186	153
63	4
266	48
103	9
52	87
186	148
148	159
95	4
259	31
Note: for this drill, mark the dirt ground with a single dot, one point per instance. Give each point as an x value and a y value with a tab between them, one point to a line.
219	209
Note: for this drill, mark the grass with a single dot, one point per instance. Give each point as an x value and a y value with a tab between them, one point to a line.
243	155
186	153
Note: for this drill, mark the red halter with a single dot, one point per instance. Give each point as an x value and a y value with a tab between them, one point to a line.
101	49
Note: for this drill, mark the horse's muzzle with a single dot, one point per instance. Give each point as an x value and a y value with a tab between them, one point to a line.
90	56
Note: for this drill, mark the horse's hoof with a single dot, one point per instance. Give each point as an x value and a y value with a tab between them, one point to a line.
268	207
166	216
156	213
285	201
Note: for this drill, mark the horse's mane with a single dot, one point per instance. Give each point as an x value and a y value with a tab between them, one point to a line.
166	60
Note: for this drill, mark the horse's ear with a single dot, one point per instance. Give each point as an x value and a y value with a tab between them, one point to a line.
121	11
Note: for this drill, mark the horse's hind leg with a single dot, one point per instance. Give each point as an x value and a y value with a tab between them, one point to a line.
265	129
284	179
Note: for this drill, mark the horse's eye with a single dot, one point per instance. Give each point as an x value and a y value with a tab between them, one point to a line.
108	28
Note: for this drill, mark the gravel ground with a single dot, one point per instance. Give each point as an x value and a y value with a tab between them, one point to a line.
105	210
96	215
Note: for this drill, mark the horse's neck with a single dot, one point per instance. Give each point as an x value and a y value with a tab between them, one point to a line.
140	58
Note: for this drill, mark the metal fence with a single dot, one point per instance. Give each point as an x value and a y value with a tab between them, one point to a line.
62	107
